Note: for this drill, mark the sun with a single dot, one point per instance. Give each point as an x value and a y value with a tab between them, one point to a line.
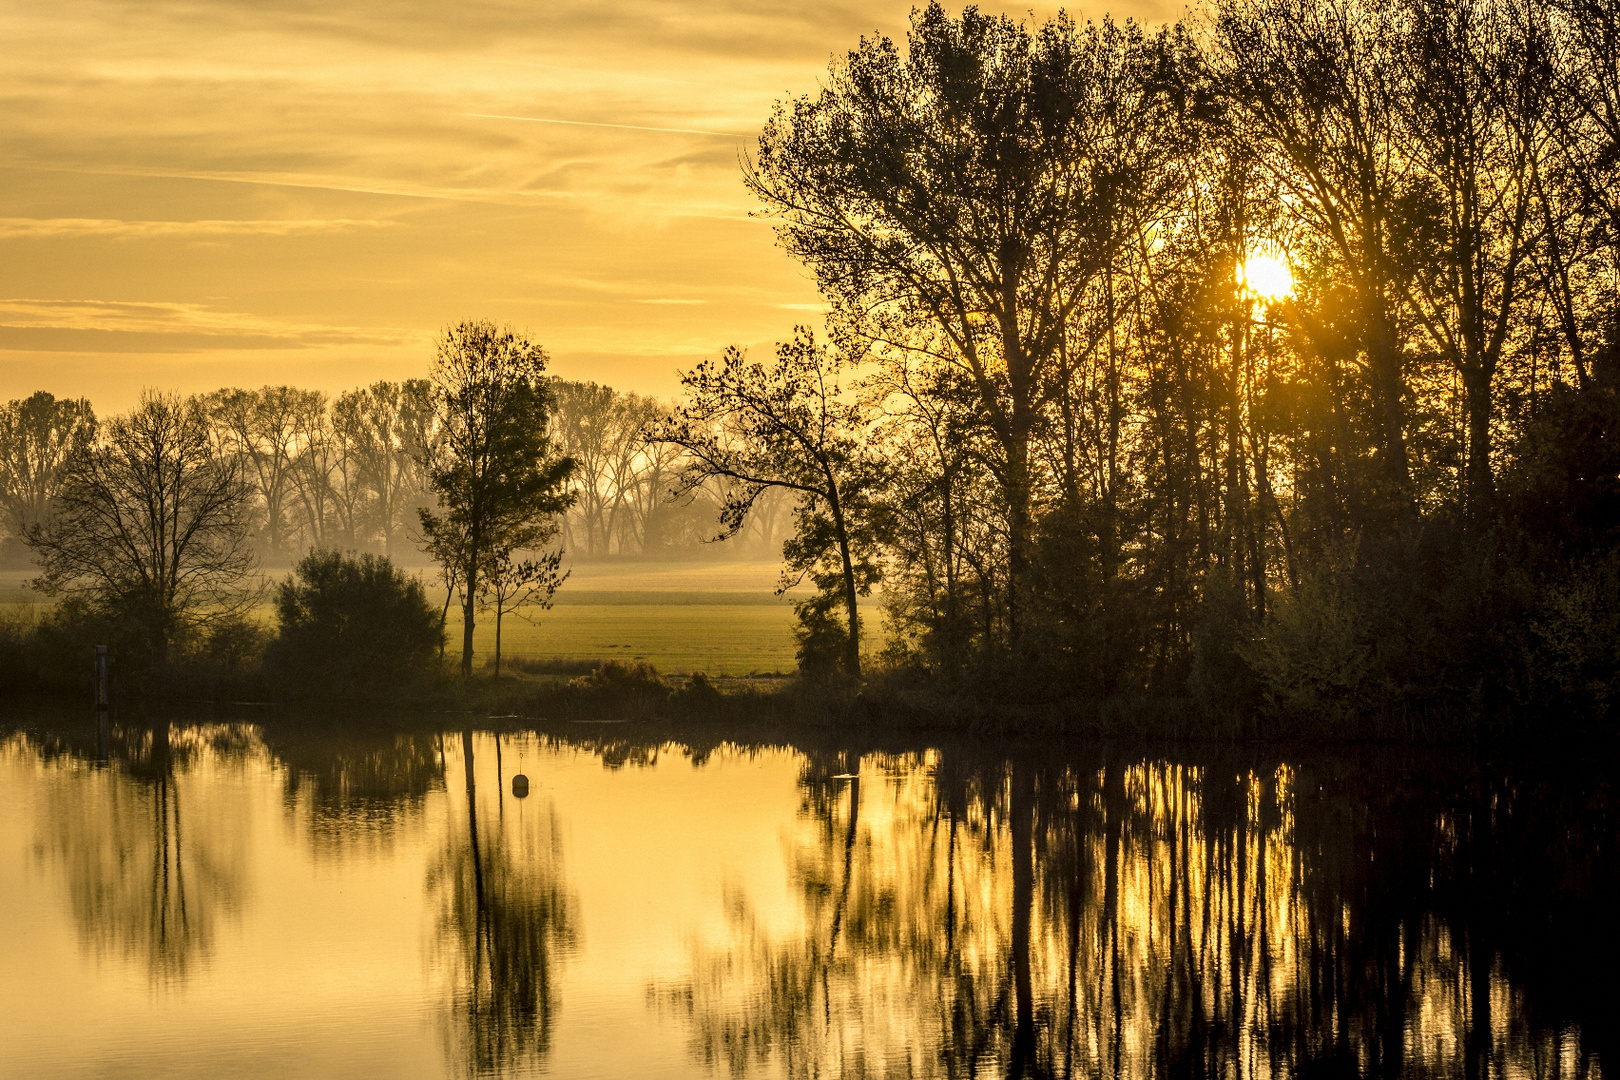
1267	276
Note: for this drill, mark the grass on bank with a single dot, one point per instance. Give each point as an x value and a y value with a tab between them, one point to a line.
719	618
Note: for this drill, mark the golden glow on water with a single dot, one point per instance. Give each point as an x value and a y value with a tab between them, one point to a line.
361	906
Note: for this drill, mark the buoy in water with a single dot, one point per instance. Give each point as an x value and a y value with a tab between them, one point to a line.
520	786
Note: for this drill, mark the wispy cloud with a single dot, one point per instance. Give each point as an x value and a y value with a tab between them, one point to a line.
163	327
620	127
661	300
19	227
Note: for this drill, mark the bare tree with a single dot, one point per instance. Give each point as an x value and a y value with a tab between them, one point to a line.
317	471
587	419
1316	87
151	524
261	428
1476	86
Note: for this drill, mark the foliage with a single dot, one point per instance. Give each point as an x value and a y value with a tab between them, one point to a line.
787	426
636	688
492	463
1116	463
977	187
351	626
512	585
1096	456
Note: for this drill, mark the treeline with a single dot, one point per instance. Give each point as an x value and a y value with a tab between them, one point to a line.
623	481
148	529
1269	358
349	473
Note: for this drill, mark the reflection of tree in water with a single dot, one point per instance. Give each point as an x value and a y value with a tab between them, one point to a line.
505	920
151	858
356	789
1148	919
904	908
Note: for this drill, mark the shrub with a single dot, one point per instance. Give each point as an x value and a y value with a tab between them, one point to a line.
629	691
698	693
822	635
637	678
352	626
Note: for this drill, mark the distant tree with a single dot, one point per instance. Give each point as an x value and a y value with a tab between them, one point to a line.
387	427
587	416
785	426
321	474
150	525
351	625
38	436
492	465
648	508
512	585
261	428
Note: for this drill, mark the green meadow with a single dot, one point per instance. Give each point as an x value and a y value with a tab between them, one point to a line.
719	618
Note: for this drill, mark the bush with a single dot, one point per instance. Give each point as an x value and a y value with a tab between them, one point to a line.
352	626
611	675
697	693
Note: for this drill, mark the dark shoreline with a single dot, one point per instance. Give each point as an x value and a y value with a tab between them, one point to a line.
784	710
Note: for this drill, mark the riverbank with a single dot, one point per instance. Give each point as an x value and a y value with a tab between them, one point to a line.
637	697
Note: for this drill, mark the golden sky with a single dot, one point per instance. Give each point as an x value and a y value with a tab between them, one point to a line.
198	193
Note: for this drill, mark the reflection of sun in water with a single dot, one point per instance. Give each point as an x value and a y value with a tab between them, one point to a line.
1265	275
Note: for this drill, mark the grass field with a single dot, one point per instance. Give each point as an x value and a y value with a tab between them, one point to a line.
720	618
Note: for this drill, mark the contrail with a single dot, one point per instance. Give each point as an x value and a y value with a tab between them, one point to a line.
621	127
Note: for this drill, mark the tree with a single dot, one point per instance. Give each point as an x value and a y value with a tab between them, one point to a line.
785	426
976	186
351	625
38	436
150	525
1477	84
493	466
587	427
387	427
1316	87
261	428
512	584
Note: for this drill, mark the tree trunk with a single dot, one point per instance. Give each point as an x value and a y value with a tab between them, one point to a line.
1018	528
1389	389
498	613
852	654
1481	487
468	603
444	617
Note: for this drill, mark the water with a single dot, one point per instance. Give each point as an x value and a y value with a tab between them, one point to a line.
257	900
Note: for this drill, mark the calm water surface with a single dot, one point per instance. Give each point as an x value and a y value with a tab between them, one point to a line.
278	900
